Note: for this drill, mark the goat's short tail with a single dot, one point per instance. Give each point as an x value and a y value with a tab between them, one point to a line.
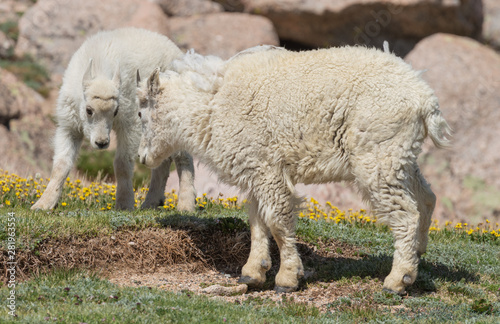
437	127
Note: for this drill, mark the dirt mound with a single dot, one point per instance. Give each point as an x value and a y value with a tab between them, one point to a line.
141	251
145	251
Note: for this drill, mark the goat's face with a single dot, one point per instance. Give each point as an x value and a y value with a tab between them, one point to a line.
154	148
99	107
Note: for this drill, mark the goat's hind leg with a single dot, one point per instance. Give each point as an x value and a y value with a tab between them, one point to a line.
393	202
397	208
426	202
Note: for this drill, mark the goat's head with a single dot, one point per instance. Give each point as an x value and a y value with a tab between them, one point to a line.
100	105
157	133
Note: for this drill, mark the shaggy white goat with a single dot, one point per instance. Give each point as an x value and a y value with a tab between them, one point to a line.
99	94
274	118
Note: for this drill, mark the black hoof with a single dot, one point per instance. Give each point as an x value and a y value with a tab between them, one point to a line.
390	291
280	289
251	282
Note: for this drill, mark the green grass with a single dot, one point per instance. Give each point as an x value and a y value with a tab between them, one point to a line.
75	297
79	297
458	282
99	164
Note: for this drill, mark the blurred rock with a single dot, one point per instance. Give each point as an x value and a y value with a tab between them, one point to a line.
221	34
6	46
10	10
491	25
16	99
232	5
188	7
322	23
25	132
466	78
52	30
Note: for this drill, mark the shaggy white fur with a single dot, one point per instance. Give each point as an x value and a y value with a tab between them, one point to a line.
98	94
274	118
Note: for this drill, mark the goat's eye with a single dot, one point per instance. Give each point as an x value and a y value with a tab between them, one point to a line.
89	112
116	111
140	115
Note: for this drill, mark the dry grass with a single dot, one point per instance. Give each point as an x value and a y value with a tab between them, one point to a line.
143	251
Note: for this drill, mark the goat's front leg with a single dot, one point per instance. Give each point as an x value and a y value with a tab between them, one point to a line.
156	193
126	151
276	209
283	230
66	146
259	261
185	171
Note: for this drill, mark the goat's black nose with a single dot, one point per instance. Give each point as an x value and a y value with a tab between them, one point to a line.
102	145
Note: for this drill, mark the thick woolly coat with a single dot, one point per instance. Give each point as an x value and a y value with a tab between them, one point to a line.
268	119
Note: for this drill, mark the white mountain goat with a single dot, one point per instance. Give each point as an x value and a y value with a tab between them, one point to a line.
101	95
269	119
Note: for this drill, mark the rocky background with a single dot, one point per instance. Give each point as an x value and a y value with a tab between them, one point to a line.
457	42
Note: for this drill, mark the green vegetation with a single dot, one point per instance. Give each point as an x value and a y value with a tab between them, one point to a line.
10	29
458	282
26	68
98	164
30	72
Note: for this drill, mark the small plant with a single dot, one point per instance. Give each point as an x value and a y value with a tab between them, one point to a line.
231	224
122	221
482	306
301	310
463	289
10	29
387	298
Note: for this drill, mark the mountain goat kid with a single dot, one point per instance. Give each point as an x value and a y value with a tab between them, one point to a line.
99	94
272	118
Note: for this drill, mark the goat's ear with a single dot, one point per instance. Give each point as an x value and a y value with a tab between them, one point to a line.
88	76
117	79
138	78
154	82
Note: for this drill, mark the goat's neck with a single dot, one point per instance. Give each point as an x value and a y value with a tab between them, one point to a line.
195	114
